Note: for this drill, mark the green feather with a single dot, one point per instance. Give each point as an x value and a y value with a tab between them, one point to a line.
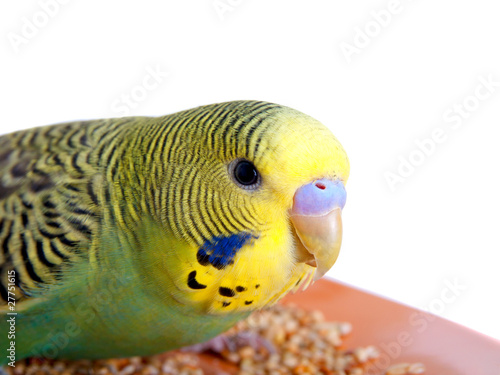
101	221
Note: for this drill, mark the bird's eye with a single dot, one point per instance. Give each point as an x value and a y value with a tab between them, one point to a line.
246	174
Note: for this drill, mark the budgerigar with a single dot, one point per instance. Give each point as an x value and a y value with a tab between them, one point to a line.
137	235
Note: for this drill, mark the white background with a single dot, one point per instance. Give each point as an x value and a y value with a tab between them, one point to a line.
440	223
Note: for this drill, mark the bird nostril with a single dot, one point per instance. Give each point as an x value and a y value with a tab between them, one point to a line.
320	185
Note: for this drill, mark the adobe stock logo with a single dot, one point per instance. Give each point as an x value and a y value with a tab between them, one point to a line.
131	99
31	26
222	7
418	322
363	36
454	117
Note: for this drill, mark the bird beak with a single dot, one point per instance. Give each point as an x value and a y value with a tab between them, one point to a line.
317	222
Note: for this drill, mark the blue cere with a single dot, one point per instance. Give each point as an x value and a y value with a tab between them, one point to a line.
319	197
220	250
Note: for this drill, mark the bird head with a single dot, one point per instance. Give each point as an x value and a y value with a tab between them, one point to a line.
253	198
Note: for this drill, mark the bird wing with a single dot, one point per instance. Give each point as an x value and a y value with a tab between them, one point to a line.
49	207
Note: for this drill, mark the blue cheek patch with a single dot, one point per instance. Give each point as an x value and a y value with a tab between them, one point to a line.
220	251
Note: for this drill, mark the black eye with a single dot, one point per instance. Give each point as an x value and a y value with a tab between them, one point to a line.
245	173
